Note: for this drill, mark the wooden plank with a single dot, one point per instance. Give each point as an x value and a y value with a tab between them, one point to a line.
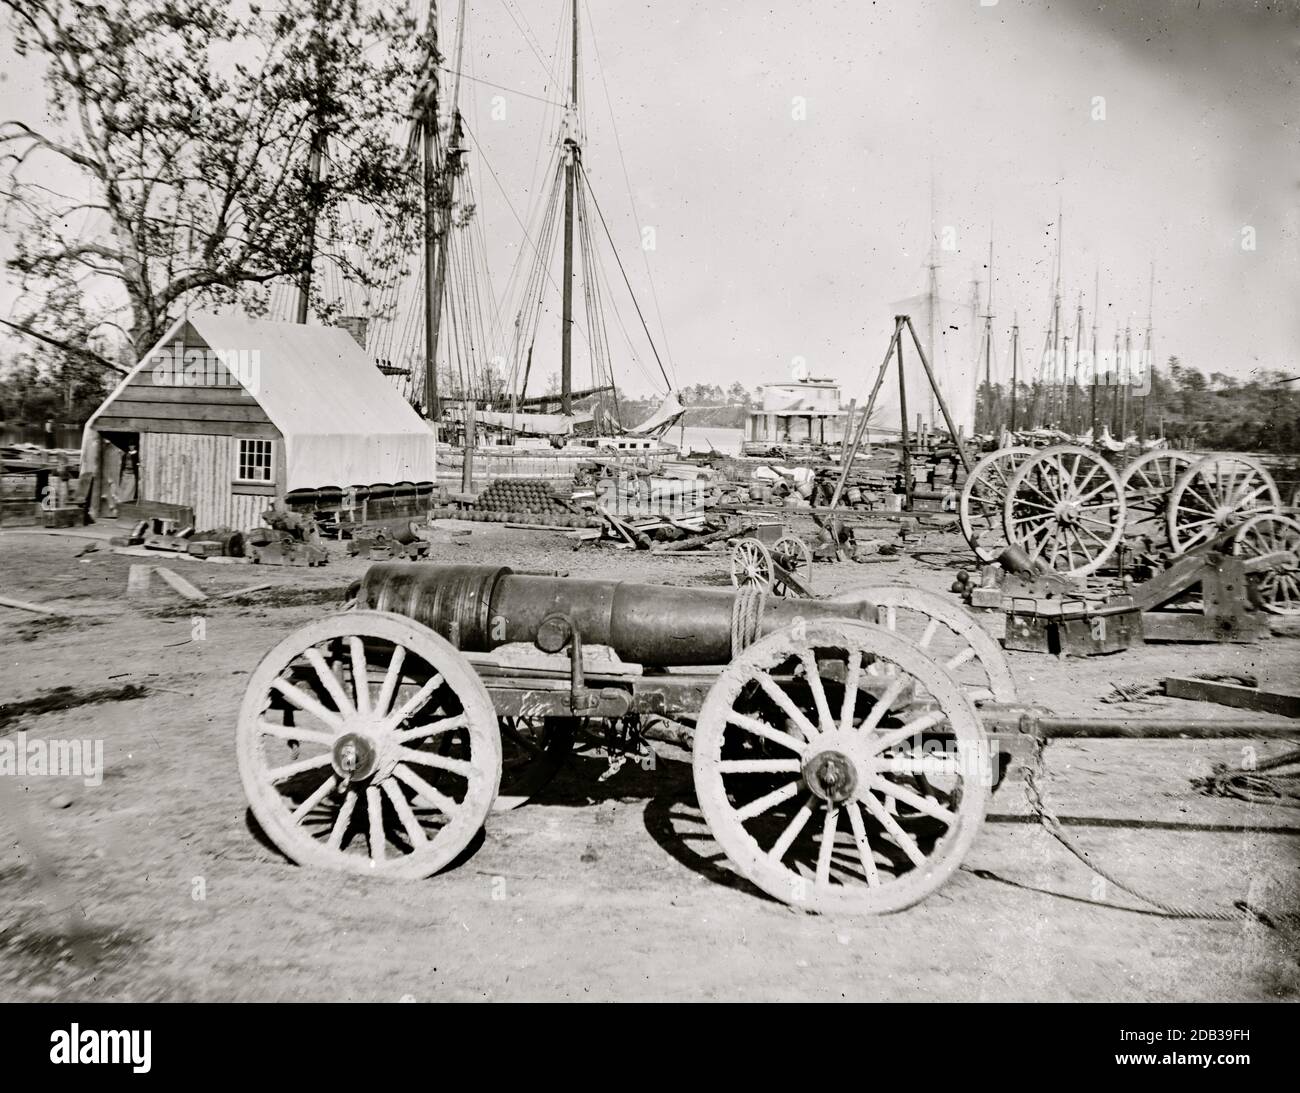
180	584
121	423
139	394
23	605
1232	694
191	411
243	591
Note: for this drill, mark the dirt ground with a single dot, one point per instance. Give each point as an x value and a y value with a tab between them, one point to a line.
154	885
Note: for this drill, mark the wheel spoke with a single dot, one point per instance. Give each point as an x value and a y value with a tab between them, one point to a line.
441	762
921	804
938	764
773	691
759	766
917	725
852	676
375	823
431	796
759	728
827	847
307	703
431	728
417	700
279	774
956	661
883	703
813	675
391	678
791	832
865	854
293	732
318	795
342	820
402	807
329	681
360	674
901	838
768	801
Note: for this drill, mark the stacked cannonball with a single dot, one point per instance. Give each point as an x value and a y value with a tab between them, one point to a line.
517	501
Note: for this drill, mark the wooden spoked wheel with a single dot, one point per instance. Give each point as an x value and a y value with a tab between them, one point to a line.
751	564
1147	484
1217	493
1066	509
983	496
1279	587
534	749
831	789
793	555
346	726
946	632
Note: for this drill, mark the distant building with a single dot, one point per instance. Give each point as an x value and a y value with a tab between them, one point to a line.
226	415
802	414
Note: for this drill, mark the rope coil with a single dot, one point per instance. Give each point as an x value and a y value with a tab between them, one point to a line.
746	617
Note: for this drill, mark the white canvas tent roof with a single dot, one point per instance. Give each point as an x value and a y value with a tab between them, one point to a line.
343	422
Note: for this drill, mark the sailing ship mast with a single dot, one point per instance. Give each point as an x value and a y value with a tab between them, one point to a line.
572	152
428	124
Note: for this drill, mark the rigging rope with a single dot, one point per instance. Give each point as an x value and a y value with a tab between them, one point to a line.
621	270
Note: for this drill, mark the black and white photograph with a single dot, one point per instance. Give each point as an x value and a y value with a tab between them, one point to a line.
691	501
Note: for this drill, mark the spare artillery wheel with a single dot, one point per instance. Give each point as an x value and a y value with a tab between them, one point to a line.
1217	493
1065	508
1147	483
947	632
793	555
834	797
983	495
1279	588
751	564
343	728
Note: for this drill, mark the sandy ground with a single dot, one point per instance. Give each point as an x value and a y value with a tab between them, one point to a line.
154	884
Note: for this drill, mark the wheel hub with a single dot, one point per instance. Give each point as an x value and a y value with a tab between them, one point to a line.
831	775
1067	512
362	753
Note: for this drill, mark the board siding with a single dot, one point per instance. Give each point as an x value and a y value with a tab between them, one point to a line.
144	405
198	470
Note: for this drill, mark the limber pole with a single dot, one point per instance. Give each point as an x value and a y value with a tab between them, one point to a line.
943	405
866	415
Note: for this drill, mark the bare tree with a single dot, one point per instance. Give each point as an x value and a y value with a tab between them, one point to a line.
203	157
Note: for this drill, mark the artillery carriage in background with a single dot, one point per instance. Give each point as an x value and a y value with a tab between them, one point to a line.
1073	513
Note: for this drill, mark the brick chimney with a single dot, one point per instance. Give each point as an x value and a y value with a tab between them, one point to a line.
356	326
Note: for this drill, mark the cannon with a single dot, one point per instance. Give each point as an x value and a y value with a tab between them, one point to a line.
843	750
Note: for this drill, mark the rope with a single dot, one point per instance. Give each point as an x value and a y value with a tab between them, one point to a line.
746	617
1241	910
1249	784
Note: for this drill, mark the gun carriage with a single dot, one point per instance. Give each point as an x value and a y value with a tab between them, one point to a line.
843	750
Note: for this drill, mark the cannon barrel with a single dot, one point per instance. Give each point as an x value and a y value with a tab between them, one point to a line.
478	608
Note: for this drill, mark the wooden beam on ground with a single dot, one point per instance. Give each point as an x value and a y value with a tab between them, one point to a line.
23	605
243	591
180	584
1232	694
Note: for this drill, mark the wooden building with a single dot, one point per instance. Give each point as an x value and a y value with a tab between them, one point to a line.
226	415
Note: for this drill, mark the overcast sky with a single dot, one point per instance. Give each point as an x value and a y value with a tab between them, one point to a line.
778	237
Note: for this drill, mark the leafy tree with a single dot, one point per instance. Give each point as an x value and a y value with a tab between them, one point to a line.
195	129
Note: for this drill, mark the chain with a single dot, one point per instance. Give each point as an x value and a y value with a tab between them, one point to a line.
1241	910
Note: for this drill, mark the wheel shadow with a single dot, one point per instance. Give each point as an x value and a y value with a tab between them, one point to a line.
671	816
